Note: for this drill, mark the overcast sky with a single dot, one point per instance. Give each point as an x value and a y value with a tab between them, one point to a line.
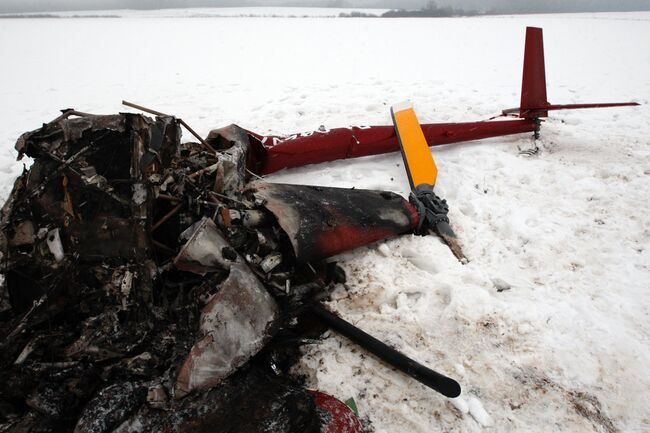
482	5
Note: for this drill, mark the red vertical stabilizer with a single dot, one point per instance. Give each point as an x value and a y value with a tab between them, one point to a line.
533	86
534	102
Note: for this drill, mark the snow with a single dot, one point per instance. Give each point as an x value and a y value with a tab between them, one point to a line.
477	411
547	327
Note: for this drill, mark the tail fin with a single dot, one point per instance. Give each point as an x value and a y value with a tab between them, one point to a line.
534	103
533	85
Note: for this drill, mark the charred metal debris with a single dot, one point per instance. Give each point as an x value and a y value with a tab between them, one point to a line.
149	285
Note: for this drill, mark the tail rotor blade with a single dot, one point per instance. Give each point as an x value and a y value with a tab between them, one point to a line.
422	173
420	166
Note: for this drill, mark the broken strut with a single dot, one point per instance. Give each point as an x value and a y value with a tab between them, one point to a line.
434	380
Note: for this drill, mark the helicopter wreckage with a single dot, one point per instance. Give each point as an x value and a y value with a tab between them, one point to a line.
155	285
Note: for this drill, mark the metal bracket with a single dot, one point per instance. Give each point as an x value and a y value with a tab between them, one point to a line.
538	127
432	209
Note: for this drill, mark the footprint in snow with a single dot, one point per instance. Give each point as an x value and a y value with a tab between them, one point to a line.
425	264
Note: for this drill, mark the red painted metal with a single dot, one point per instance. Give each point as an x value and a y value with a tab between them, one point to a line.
277	153
538	111
270	154
321	222
580	106
339	417
534	101
533	83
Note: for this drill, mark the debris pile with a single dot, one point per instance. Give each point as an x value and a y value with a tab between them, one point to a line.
122	296
149	285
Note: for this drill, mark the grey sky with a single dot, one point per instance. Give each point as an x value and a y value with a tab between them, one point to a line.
505	6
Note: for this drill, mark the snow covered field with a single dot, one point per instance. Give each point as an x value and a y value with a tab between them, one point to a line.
547	328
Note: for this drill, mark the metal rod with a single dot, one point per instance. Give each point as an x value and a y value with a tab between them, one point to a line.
434	380
203	142
225	197
169	214
162	246
207	169
254	174
24	321
168	198
145	109
181	121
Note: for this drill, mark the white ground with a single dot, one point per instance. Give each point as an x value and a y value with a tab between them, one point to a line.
565	235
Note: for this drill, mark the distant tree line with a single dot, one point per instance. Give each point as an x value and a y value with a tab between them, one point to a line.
429	10
357	14
13	16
